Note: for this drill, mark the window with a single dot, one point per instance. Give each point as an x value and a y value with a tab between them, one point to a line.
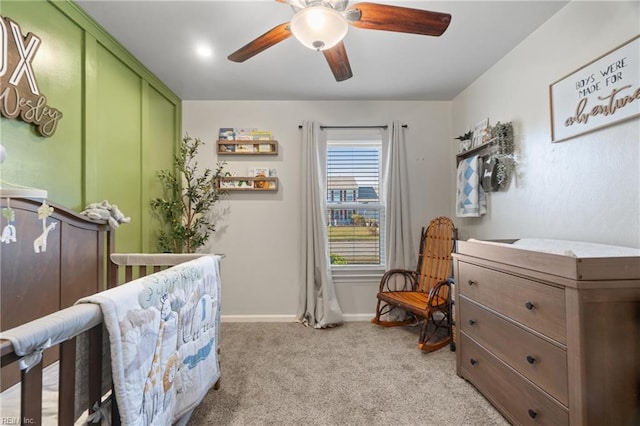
355	212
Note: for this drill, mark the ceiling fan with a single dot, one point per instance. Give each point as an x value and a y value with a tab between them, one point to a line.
322	24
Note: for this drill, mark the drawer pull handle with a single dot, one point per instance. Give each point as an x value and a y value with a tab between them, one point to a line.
472	322
471	282
473	361
532	414
530	359
529	305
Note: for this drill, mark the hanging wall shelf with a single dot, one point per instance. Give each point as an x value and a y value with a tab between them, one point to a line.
245	183
247	147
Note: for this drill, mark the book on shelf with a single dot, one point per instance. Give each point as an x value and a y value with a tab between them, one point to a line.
264	147
258	172
227	147
261	135
224	183
244	134
245	148
245	184
226	134
261	184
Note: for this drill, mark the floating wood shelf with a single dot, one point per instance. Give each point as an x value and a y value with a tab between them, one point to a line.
484	149
247	147
245	183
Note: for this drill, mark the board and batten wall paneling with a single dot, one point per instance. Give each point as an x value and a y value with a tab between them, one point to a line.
53	163
159	140
120	125
119	145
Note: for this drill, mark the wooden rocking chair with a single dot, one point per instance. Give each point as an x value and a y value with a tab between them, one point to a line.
425	291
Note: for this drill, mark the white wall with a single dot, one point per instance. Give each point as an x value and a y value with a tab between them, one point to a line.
586	188
260	235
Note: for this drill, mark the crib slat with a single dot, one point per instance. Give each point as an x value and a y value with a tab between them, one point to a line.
31	395
128	273
66	396
95	366
115	412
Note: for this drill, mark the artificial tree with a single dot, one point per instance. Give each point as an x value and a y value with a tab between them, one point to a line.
186	208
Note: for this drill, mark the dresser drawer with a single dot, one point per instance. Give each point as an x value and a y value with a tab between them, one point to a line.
520	401
538	360
538	306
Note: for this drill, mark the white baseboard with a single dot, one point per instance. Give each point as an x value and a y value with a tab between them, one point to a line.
358	317
286	318
257	318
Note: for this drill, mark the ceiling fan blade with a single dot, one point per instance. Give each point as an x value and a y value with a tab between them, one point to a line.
399	19
266	40
338	62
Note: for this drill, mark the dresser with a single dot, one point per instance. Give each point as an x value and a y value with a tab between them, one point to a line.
550	339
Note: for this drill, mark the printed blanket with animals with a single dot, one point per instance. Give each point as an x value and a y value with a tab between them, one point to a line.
163	332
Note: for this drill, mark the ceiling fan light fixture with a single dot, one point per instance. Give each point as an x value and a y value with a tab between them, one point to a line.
319	27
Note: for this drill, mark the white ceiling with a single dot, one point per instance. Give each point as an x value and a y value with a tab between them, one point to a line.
163	35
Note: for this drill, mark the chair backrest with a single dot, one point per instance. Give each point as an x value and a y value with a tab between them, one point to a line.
436	245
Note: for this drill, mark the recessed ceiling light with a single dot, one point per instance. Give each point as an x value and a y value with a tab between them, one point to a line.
203	51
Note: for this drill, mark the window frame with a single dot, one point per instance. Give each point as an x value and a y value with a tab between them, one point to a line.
358	138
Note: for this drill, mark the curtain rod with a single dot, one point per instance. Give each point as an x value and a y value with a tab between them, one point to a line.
356	127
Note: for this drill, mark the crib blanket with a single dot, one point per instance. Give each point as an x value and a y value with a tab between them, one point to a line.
470	197
163	333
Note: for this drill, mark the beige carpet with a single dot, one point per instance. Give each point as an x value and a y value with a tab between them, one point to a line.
355	374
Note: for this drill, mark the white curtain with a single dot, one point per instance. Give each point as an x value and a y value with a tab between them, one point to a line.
400	251
399	248
317	305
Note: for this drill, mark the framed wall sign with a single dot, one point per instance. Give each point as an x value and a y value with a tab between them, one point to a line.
599	94
20	95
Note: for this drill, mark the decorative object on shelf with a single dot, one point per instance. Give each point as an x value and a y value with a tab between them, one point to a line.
480	132
465	141
490	174
506	157
497	151
189	197
598	94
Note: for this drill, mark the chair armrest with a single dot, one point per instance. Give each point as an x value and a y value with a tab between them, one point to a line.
437	289
410	280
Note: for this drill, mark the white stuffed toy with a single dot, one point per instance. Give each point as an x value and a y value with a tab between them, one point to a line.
106	211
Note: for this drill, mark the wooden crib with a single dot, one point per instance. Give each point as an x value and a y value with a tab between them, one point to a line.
38	289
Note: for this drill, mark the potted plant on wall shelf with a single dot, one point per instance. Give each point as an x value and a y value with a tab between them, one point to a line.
186	209
465	141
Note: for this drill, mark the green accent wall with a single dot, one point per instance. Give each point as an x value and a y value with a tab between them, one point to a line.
120	125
